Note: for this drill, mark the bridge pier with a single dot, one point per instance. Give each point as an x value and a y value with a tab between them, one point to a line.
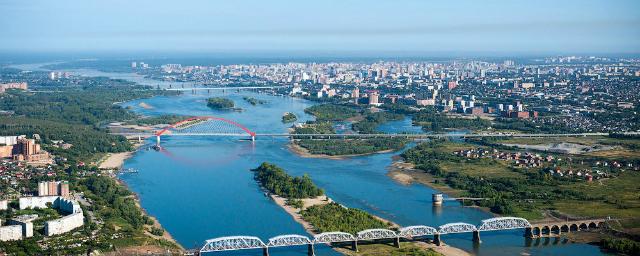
396	242
436	239
528	232
310	250
476	237
437	199
354	246
265	251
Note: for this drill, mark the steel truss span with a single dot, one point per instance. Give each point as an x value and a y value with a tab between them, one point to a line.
232	243
206	125
417	231
458	227
373	234
288	240
503	223
333	237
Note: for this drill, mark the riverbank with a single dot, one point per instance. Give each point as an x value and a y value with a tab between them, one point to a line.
323	200
303	152
115	161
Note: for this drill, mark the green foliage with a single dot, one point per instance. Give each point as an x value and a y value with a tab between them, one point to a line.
86	140
157	231
277	181
289	117
253	101
336	147
432	120
621	245
22	247
315	128
161	119
373	120
295	203
113	201
220	103
331	112
335	217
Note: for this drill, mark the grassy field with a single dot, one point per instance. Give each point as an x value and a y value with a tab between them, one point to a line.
621	198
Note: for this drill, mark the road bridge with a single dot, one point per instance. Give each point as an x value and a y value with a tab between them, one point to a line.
555	228
222	127
231	243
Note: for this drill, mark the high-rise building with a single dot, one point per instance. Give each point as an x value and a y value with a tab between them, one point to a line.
355	93
373	97
53	188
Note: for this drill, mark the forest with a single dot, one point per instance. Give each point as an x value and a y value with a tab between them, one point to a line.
277	181
220	103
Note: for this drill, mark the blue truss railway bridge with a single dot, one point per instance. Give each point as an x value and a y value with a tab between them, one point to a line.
419	232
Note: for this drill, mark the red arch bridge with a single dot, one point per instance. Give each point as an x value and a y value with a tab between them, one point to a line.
218	126
232	243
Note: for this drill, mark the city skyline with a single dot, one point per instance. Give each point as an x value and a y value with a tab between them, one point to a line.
405	27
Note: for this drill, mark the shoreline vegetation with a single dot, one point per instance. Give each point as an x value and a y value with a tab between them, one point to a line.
289	117
310	207
79	116
253	101
363	121
220	103
433	164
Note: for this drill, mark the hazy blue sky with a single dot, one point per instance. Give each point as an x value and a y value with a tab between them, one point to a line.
603	26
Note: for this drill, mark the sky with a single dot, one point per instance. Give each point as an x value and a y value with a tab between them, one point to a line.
491	26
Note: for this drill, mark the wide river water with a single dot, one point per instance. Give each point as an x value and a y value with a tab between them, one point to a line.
202	187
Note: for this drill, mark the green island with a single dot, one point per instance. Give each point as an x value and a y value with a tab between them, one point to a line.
253	101
372	120
331	112
341	147
327	216
537	184
155	120
220	103
289	117
277	181
335	217
77	115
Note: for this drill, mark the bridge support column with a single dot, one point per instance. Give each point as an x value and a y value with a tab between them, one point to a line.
157	140
436	239
265	251
310	250
396	242
253	138
528	232
476	237
354	246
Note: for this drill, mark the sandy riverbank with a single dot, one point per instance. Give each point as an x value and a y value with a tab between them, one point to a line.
303	152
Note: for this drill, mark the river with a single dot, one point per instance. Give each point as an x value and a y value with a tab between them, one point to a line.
201	187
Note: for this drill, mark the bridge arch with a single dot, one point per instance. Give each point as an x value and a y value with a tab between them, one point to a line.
502	223
417	231
458	227
555	229
583	226
333	237
178	125
373	234
229	243
573	227
288	240
564	228
593	225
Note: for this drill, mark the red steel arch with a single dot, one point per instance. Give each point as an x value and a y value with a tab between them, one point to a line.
245	129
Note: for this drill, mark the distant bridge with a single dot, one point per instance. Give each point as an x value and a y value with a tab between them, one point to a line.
224	88
217	126
232	243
